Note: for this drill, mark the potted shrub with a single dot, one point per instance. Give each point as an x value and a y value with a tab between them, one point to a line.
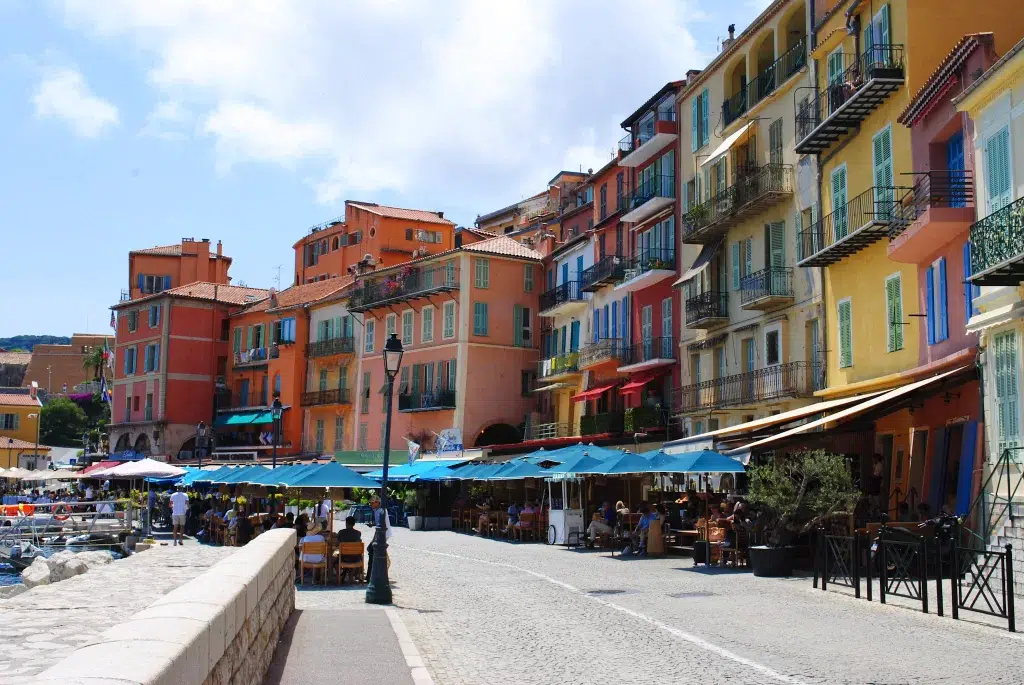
794	494
415	517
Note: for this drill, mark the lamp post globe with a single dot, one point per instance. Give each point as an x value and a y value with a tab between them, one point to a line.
276	409
379	589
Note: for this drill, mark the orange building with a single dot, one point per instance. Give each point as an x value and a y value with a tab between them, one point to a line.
156	269
389	234
54	366
268	360
171	355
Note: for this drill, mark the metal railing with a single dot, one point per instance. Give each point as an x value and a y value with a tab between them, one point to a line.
605	349
441	399
598	424
606	269
126	295
792	379
708	305
318	397
639	419
998	238
757	184
945	188
326	348
566	292
659	185
663	259
258	355
774	281
858	70
645	132
662	347
546	431
563	363
404	285
765	83
879	205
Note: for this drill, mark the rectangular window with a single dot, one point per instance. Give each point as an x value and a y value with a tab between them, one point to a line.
480	323
390	326
772	347
522	326
151	362
365	392
363	430
997	170
618	241
319	437
368	345
323	380
133	320
970	291
937	303
284	331
1007	389
894	313
775	142
481	272
528	278
735	258
339	433
427	325
237	344
448	323
154	315
620	190
408	319
10	422
699	116
604	202
845	334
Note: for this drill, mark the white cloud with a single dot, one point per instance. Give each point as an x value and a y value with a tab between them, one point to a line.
465	103
64	94
167	121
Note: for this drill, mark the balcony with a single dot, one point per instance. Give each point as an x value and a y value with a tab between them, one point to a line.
330	348
864	220
940	207
649	354
322	397
822	118
608	270
767	288
781	381
765	83
426	401
646	268
404	286
707	310
603	351
563	299
997	247
751	194
650	197
643	419
560	366
651	137
547	431
600	424
126	295
251	358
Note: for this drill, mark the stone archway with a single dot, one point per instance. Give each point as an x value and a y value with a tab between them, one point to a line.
123	443
142	444
498	434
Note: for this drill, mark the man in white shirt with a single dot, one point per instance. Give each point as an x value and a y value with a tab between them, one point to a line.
313	558
179	509
322	511
88	492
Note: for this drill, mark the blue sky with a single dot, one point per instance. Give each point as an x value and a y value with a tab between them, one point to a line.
130	124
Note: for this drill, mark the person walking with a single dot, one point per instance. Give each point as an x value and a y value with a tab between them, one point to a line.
179	511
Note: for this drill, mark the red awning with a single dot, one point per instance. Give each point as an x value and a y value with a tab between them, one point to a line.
99	465
637	384
593	393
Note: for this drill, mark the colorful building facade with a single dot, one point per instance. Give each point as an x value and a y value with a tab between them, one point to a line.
156	269
333	364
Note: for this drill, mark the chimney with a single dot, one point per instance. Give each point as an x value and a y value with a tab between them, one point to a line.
440	215
731	39
220	248
692	74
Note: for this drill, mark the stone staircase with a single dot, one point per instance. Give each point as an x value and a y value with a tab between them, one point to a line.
1010	532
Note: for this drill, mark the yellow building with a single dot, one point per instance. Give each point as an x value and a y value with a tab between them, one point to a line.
20	413
870	59
332	368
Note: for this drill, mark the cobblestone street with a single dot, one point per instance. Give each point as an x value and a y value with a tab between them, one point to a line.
487	612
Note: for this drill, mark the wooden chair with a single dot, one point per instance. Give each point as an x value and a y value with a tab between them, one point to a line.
655	541
351	549
312	549
738	552
716	536
527	525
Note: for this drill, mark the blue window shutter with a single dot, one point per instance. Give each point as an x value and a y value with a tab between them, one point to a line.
609	332
126	361
970	291
597	326
705	103
156	358
167	282
142	281
930	303
625	318
943	314
694	115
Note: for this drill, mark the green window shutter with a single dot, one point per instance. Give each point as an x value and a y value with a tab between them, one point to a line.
845	334
694	128
528	278
748	256
735	266
894	314
337	327
238	340
777	249
517	318
248	337
1007	389
705	104
417	374
997	167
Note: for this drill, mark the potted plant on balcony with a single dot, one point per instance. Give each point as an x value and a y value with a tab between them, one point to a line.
793	494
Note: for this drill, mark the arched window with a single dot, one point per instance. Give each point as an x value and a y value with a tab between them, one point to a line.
336	243
277	385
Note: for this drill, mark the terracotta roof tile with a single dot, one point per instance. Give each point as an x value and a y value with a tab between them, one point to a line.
169	251
399	213
10	399
20	444
504	246
201	290
307	293
934	84
16	358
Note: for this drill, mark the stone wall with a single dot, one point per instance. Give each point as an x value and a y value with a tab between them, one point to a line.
1012	533
220	628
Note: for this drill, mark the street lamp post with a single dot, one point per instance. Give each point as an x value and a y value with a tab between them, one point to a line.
200	442
10	451
35	451
379	589
275	412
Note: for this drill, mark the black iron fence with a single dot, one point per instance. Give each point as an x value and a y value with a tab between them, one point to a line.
326	348
877	205
648	260
659	185
403	285
756	185
609	268
334	396
774	281
645	131
765	83
598	424
605	349
662	347
946	188
440	399
998	238
792	379
709	305
567	292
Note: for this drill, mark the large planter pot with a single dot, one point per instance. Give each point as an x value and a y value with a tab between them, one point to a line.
415	522
771	562
288	509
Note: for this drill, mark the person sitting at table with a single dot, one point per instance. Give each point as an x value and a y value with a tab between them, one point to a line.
301	526
621	509
513	519
312	537
642	527
599	525
269	522
484	518
287	522
243	528
349	534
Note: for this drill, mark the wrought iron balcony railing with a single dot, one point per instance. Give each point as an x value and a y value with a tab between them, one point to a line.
253	357
319	397
663	259
644	132
561	294
851	227
333	346
563	363
708	305
599	424
607	270
772	282
793	379
659	185
652	349
752	192
423	401
940	189
997	246
404	285
546	431
765	83
605	349
641	419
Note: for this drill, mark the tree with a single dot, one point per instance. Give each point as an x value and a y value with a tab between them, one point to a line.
63	423
93	361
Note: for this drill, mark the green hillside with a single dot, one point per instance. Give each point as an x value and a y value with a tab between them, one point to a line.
27	342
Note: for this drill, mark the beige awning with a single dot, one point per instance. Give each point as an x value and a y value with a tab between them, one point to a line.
739	135
996	317
850	412
707	253
553	386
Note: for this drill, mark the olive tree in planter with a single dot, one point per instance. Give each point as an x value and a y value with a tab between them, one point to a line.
794	494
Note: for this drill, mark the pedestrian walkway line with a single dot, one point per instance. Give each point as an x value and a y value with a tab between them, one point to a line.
676	632
420	674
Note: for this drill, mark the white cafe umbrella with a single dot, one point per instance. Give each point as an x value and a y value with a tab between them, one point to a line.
144	468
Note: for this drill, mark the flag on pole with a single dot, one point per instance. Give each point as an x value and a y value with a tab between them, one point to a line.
113	320
441	441
108	355
104	393
414	449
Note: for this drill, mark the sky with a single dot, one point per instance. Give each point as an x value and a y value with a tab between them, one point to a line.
128	124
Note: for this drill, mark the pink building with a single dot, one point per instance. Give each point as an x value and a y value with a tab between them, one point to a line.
467	321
